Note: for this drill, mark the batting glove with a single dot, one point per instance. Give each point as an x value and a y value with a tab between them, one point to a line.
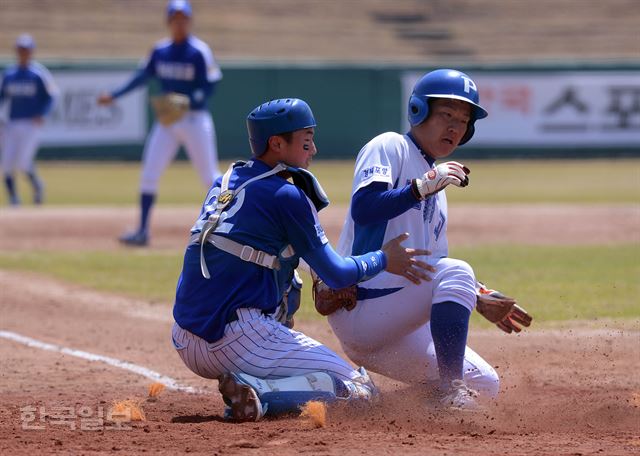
439	177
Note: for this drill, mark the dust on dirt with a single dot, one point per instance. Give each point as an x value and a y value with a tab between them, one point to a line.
571	390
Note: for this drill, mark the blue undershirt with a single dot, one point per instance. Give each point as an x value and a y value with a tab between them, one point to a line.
375	204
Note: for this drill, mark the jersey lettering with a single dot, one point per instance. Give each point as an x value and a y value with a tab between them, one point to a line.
210	208
438	229
225	227
21	89
176	71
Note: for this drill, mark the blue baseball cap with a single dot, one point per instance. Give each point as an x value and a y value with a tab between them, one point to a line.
25	41
178	6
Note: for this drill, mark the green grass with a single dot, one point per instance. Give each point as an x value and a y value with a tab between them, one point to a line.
553	283
143	274
521	181
562	282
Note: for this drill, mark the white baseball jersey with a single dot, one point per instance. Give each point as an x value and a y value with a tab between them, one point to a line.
394	159
389	331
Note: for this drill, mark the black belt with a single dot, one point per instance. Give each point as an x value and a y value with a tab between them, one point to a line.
233	316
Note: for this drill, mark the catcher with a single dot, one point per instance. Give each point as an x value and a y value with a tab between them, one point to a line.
187	72
401	327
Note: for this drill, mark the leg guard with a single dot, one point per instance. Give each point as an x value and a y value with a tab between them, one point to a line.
289	394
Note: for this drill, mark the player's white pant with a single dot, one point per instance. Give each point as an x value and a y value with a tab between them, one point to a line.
20	141
391	335
196	131
259	346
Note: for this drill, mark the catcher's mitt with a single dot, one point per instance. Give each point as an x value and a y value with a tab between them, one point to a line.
170	107
501	310
328	300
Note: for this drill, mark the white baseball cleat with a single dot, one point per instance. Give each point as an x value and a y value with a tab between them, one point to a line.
241	399
460	397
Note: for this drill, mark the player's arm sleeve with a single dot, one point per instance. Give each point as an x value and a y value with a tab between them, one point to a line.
142	75
50	91
208	73
340	272
299	220
375	203
378	161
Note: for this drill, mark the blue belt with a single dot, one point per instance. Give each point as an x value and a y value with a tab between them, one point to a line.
372	293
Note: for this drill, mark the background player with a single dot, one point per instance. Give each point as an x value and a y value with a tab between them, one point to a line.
30	91
416	332
183	65
254	227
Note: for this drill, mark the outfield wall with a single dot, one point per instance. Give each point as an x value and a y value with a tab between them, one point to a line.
535	111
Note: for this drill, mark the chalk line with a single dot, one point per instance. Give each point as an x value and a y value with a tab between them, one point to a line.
168	382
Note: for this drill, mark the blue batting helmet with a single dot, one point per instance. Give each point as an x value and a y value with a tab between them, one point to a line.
274	118
178	6
445	84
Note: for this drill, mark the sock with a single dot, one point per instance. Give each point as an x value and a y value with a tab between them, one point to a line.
11	188
146	203
449	328
37	186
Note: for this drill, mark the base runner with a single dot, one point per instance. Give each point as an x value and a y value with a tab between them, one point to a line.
409	330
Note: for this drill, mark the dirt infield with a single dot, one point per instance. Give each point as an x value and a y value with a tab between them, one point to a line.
55	228
572	390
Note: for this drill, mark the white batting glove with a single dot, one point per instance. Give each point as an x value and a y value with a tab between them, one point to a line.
439	177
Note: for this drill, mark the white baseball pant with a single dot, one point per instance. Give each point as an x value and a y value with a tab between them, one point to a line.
391	335
20	144
260	346
196	131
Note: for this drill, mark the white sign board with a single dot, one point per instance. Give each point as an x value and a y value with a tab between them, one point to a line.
588	108
77	120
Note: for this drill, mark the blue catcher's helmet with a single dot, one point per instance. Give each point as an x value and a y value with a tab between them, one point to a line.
274	118
178	6
445	83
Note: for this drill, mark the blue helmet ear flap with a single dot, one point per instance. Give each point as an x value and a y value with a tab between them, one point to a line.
471	129
418	110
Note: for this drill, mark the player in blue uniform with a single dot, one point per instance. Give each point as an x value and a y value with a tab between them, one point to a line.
30	91
233	295
182	65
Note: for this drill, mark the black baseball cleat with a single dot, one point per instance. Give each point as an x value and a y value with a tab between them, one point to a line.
135	239
241	399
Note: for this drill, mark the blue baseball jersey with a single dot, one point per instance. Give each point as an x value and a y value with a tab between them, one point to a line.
268	214
188	68
30	91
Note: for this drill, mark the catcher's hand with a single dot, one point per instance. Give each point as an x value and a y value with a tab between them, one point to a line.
169	108
501	310
327	300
